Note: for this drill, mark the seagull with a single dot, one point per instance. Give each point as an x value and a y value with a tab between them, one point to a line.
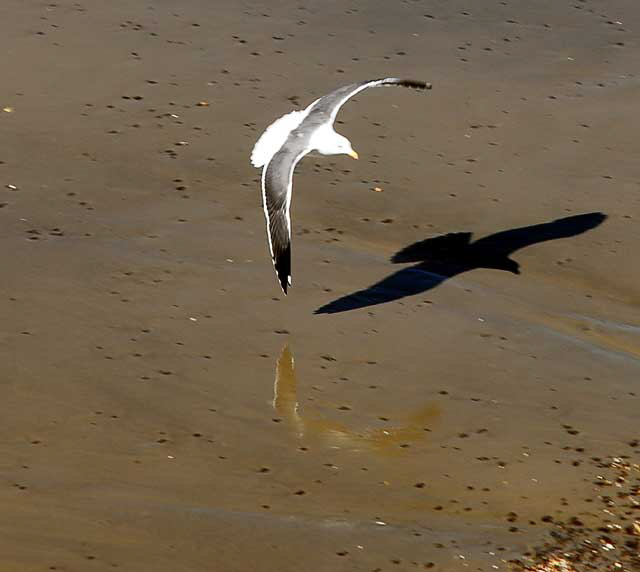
289	139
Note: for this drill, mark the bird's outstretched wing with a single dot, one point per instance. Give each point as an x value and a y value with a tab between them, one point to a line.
331	103
277	178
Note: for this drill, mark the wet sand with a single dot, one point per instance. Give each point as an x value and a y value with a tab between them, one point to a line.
164	407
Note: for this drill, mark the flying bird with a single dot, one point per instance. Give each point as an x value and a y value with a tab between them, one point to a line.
289	139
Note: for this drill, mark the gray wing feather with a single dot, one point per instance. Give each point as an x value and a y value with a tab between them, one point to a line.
277	178
329	105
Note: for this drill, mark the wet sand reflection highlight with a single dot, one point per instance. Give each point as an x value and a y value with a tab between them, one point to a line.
385	441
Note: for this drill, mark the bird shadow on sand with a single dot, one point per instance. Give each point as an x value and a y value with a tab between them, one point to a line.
442	257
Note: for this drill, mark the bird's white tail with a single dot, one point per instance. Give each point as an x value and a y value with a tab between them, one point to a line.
274	137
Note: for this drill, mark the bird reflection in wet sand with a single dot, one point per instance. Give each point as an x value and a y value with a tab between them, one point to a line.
387	441
443	257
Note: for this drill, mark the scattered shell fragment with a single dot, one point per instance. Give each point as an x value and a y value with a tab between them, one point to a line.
555	564
203	103
7	109
378	189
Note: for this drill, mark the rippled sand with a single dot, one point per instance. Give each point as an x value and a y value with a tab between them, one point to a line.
457	364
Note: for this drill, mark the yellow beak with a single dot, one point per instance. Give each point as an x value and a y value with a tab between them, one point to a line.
353	154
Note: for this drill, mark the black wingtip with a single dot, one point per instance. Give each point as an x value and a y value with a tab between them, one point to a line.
283	268
413	84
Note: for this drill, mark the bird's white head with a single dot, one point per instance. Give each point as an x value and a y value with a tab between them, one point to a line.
332	143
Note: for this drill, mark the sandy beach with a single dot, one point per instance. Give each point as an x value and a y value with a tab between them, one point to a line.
452	382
